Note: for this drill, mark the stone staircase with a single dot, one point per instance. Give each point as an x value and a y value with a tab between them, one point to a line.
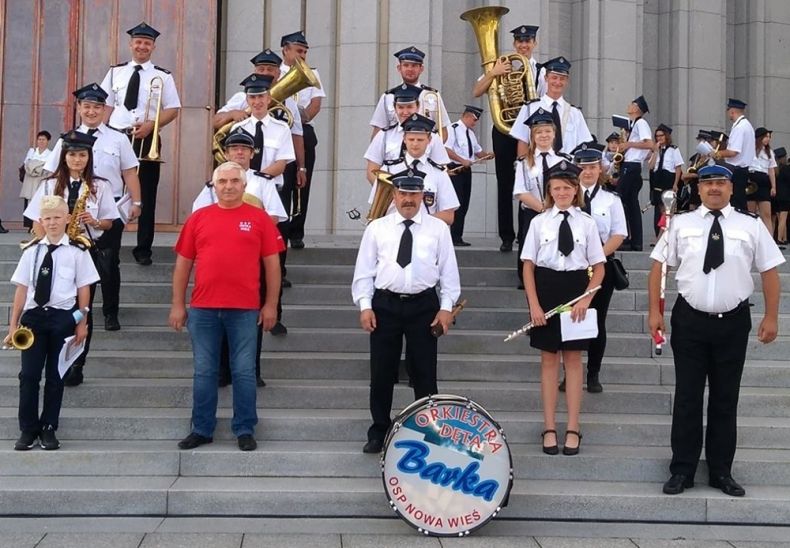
119	429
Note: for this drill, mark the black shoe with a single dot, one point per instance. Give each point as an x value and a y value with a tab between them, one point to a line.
259	382
279	330
636	247
624	247
47	439
593	384
74	376
520	286
561	388
551	449
3	230
728	486
247	442
461	243
223	381
297	243
194	440
506	246
111	323
677	484
285	283
373	446
570	451
26	441
142	260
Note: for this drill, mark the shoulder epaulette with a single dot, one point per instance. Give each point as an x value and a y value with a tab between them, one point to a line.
428	88
162	69
565	155
437	165
264	175
209	184
682	212
115	129
393	90
584	213
747	212
532	101
120	65
78	244
278	114
673	146
455	124
574	106
393	126
393	162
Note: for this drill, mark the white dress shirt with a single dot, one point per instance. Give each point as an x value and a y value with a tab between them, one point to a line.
277	142
387	144
303	98
541	246
459	138
746	242
116	82
574	127
238	101
384	115
741	141
72	268
432	261
529	180
112	153
34	154
640	131
762	162
606	209
439	193
672	159
262	188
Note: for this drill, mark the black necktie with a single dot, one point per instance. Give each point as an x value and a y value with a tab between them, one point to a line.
258	144
44	278
587	200
92	130
565	244
74	194
555	115
132	90
714	255
404	250
545	166
414	165
661	159
469	144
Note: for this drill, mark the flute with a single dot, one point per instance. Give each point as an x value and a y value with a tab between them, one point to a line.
668	199
553	312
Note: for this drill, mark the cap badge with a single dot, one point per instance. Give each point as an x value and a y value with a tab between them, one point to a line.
584	146
413	49
562	59
523	29
563	165
94	87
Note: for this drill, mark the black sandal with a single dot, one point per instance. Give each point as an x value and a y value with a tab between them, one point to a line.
571	450
553	449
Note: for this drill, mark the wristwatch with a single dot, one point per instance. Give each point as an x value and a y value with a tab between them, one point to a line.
138	204
302	169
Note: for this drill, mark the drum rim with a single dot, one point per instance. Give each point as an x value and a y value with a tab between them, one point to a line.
410	410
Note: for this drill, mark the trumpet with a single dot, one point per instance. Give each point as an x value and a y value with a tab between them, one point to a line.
157	85
459	169
21	339
431	107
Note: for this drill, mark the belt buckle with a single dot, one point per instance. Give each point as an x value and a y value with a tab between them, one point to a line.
404	296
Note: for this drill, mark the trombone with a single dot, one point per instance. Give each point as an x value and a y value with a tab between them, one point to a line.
156	87
434	114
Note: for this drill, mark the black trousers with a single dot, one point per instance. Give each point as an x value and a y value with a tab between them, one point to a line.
740	178
27	223
462	183
628	188
109	267
82	357
709	348
396	318
525	217
600	302
50	326
149	182
505	150
297	223
286	195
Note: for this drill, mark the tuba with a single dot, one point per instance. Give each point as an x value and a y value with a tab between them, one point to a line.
295	80
383	196
510	91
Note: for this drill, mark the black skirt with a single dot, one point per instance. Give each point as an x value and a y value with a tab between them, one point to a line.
763	193
554	288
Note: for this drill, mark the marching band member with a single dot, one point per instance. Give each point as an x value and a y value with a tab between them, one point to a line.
607	160
128	86
739	151
713	249
463	149
525	40
762	172
665	165
571	127
410	66
402	258
606	210
308	102
387	146
273	145
781	204
438	195
75	181
530	171
635	150
116	162
688	196
562	244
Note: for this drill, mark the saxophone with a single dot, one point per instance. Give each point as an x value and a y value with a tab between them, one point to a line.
74	229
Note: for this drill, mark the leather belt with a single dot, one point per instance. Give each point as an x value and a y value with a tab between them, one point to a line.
736	310
406	296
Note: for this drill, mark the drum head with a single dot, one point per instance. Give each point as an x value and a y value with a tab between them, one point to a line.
446	467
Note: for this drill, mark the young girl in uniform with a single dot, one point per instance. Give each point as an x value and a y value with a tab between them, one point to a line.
561	247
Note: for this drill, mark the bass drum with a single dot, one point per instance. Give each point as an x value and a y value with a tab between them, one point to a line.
446	466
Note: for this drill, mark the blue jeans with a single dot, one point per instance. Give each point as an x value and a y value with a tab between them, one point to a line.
206	327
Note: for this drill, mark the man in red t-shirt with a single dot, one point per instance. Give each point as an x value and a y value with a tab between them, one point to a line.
229	241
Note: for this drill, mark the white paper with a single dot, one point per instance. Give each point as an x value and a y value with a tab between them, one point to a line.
124	205
68	354
585	329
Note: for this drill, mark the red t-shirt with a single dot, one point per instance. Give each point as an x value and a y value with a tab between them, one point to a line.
227	246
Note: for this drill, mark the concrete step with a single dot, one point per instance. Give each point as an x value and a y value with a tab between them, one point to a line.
346	460
115	423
